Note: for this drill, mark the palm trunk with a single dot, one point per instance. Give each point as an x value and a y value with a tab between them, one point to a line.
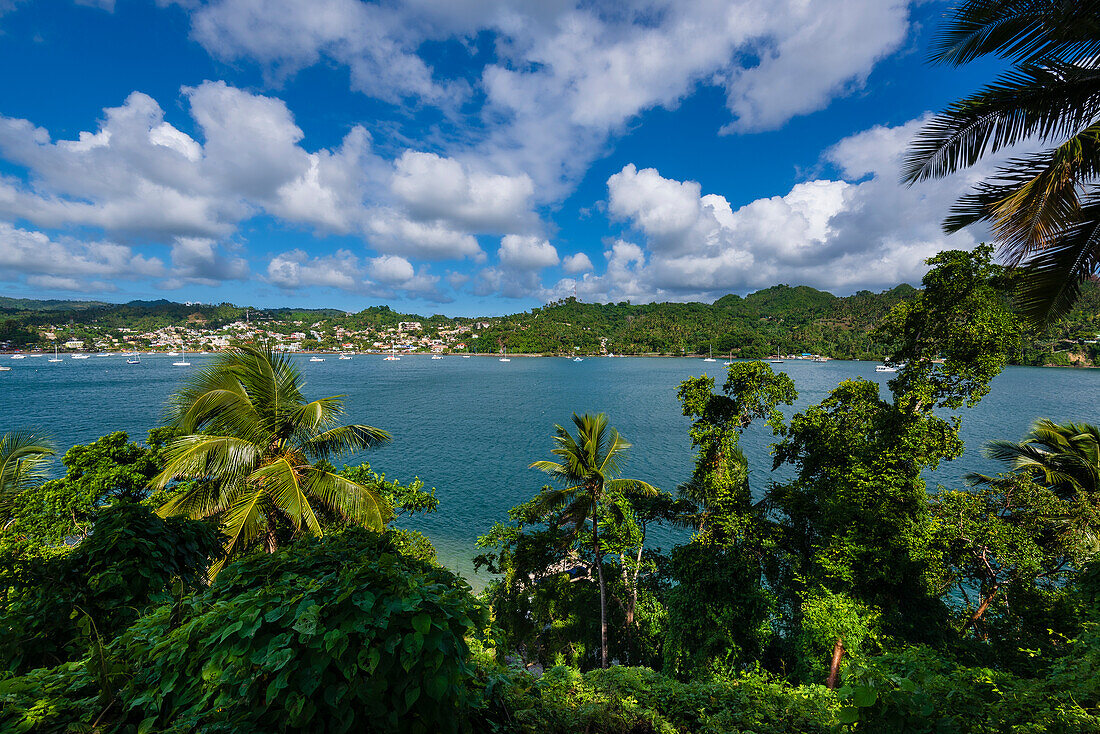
603	588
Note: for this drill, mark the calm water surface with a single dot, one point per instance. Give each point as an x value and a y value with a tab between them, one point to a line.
470	427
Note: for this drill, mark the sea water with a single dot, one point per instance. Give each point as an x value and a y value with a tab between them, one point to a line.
470	427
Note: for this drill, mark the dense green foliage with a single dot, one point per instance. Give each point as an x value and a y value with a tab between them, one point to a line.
846	598
59	609
340	634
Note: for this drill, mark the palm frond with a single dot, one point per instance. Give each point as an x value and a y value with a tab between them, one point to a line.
281	481
24	458
1052	279
200	456
343	440
1034	198
353	501
1029	102
1022	30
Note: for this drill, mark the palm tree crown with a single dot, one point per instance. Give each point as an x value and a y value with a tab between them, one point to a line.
1043	207
255	446
1064	457
24	456
588	468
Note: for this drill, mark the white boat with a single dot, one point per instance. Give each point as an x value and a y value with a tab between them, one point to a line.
80	356
465	356
577	359
729	361
710	356
885	368
393	355
133	360
345	356
183	360
5	369
819	359
173	354
505	357
437	356
104	354
18	356
316	359
54	358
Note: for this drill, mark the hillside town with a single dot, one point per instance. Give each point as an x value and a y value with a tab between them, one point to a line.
286	335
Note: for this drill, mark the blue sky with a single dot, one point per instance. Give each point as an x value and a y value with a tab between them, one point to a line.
465	157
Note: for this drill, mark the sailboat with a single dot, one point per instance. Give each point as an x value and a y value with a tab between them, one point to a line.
729	361
777	360
393	355
505	357
54	358
345	356
710	357
183	361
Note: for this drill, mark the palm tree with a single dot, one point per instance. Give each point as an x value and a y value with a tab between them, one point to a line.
259	451
1064	457
24	456
1043	207
589	466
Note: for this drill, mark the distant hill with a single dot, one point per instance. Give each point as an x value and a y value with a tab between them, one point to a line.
30	304
782	318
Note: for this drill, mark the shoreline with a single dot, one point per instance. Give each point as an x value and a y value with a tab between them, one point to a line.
524	355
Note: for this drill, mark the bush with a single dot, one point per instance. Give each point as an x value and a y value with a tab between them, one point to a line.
624	700
61	607
338	634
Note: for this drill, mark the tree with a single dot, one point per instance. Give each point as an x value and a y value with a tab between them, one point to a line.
718	608
23	459
256	448
589	467
856	521
96	474
1042	206
1008	557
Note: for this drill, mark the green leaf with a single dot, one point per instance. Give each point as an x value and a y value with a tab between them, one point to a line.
422	623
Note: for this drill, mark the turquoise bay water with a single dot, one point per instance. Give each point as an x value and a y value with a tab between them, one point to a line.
470	427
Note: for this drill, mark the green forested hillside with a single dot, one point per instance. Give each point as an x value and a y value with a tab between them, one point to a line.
784	319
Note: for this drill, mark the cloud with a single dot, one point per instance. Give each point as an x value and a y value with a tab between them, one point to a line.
526	252
295	269
391	269
434	188
860	230
200	261
578	263
566	76
287	35
68	264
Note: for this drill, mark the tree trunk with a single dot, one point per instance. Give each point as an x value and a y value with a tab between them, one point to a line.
834	666
603	588
981	609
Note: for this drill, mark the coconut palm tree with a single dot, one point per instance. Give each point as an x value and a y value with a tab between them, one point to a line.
1064	457
1043	207
588	469
259	451
24	456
